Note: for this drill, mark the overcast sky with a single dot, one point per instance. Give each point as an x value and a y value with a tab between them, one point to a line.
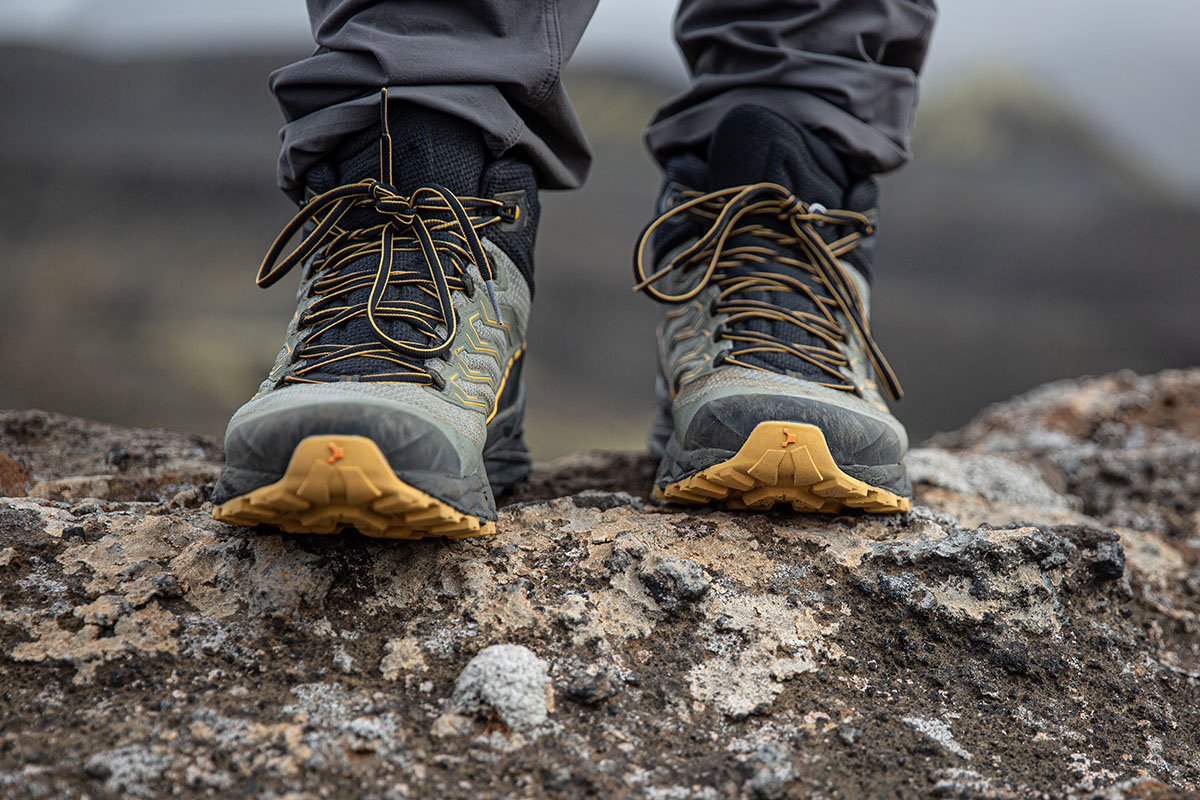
1133	66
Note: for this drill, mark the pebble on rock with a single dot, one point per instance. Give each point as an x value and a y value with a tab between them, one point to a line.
672	581
508	680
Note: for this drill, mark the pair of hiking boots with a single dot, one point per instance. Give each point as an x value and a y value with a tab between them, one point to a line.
396	404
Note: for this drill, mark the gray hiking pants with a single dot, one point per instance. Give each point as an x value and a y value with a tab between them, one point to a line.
846	69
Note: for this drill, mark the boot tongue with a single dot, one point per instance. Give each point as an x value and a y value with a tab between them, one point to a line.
428	147
752	144
755	145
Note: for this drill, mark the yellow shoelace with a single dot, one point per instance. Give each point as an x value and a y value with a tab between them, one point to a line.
738	212
444	228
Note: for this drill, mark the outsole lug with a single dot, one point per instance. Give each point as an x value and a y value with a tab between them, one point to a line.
337	482
766	470
783	462
428	516
804	468
733	479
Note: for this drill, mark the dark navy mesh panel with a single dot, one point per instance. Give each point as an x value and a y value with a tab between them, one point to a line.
752	145
428	147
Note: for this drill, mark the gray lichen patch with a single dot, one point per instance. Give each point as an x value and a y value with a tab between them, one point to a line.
995	478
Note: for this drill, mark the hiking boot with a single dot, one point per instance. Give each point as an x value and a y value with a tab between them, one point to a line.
396	403
767	389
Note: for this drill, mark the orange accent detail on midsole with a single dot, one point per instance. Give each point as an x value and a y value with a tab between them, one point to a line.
361	491
763	473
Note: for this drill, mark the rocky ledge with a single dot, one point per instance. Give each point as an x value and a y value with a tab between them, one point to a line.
1028	630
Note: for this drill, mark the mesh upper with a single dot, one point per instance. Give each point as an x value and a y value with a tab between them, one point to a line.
752	144
428	147
467	424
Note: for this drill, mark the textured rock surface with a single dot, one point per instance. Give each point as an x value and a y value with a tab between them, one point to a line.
1029	629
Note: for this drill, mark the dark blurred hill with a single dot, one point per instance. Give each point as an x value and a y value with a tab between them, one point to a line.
138	197
1023	244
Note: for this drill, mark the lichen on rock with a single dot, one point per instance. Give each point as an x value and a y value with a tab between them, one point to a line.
1030	629
508	682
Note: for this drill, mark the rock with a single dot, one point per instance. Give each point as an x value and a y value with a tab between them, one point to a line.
939	732
1109	561
626	551
129	771
449	725
403	657
594	498
672	581
591	689
1137	789
1126	445
849	734
14	477
508	681
994	478
770	769
1029	629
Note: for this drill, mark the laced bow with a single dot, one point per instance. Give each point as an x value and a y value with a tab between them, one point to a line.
433	221
770	213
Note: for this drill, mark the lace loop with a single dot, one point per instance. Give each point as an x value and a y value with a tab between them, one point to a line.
730	213
432	221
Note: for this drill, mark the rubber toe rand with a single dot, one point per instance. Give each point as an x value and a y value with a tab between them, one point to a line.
337	481
783	462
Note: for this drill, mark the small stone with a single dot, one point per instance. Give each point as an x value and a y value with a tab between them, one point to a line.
188	498
1109	563
508	681
591	690
573	610
849	734
402	656
769	769
626	550
673	581
450	725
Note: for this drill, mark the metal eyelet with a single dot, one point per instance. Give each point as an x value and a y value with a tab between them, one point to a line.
817	208
513	212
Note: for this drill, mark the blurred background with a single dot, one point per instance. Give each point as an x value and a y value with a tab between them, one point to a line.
1048	227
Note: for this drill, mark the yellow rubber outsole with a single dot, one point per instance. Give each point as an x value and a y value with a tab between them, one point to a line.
783	462
334	482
